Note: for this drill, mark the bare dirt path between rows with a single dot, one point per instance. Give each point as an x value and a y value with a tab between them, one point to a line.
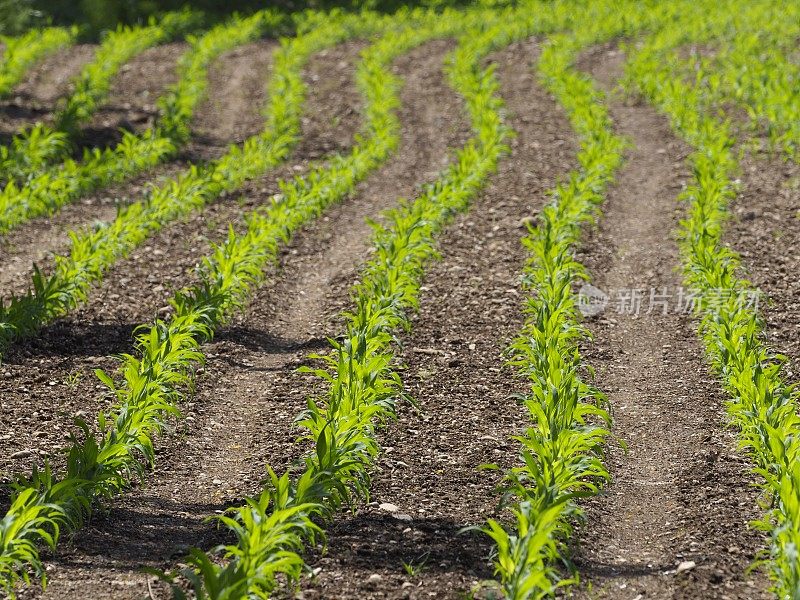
242	414
234	103
470	310
36	96
41	238
53	371
681	493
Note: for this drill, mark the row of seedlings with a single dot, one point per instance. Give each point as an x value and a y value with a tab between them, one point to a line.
23	52
561	450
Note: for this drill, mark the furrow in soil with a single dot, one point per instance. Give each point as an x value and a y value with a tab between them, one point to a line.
406	543
233	107
766	221
242	415
673	523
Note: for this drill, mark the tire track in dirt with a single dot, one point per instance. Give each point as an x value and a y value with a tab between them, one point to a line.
765	231
680	494
40	239
48	380
242	414
134	92
35	98
236	96
470	309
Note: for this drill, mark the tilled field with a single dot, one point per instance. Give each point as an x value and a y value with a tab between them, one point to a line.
363	262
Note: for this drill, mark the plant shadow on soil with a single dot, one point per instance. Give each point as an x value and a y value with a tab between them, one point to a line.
102	339
122	533
101	138
428	546
17	111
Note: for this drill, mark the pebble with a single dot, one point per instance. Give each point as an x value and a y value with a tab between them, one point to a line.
388	507
686	565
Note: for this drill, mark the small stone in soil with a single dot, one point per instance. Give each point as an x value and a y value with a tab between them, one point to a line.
686	565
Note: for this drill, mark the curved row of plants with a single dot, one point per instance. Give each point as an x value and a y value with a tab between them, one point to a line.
272	529
47	191
23	52
103	464
33	150
561	450
762	405
94	251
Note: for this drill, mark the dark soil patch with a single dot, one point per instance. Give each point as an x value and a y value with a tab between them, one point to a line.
248	394
454	367
680	494
131	102
765	230
35	98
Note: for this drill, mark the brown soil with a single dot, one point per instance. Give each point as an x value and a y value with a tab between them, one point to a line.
44	369
765	223
236	97
470	311
241	418
680	493
131	102
35	98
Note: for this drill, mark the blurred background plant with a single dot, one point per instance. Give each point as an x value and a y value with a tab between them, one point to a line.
96	16
16	16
